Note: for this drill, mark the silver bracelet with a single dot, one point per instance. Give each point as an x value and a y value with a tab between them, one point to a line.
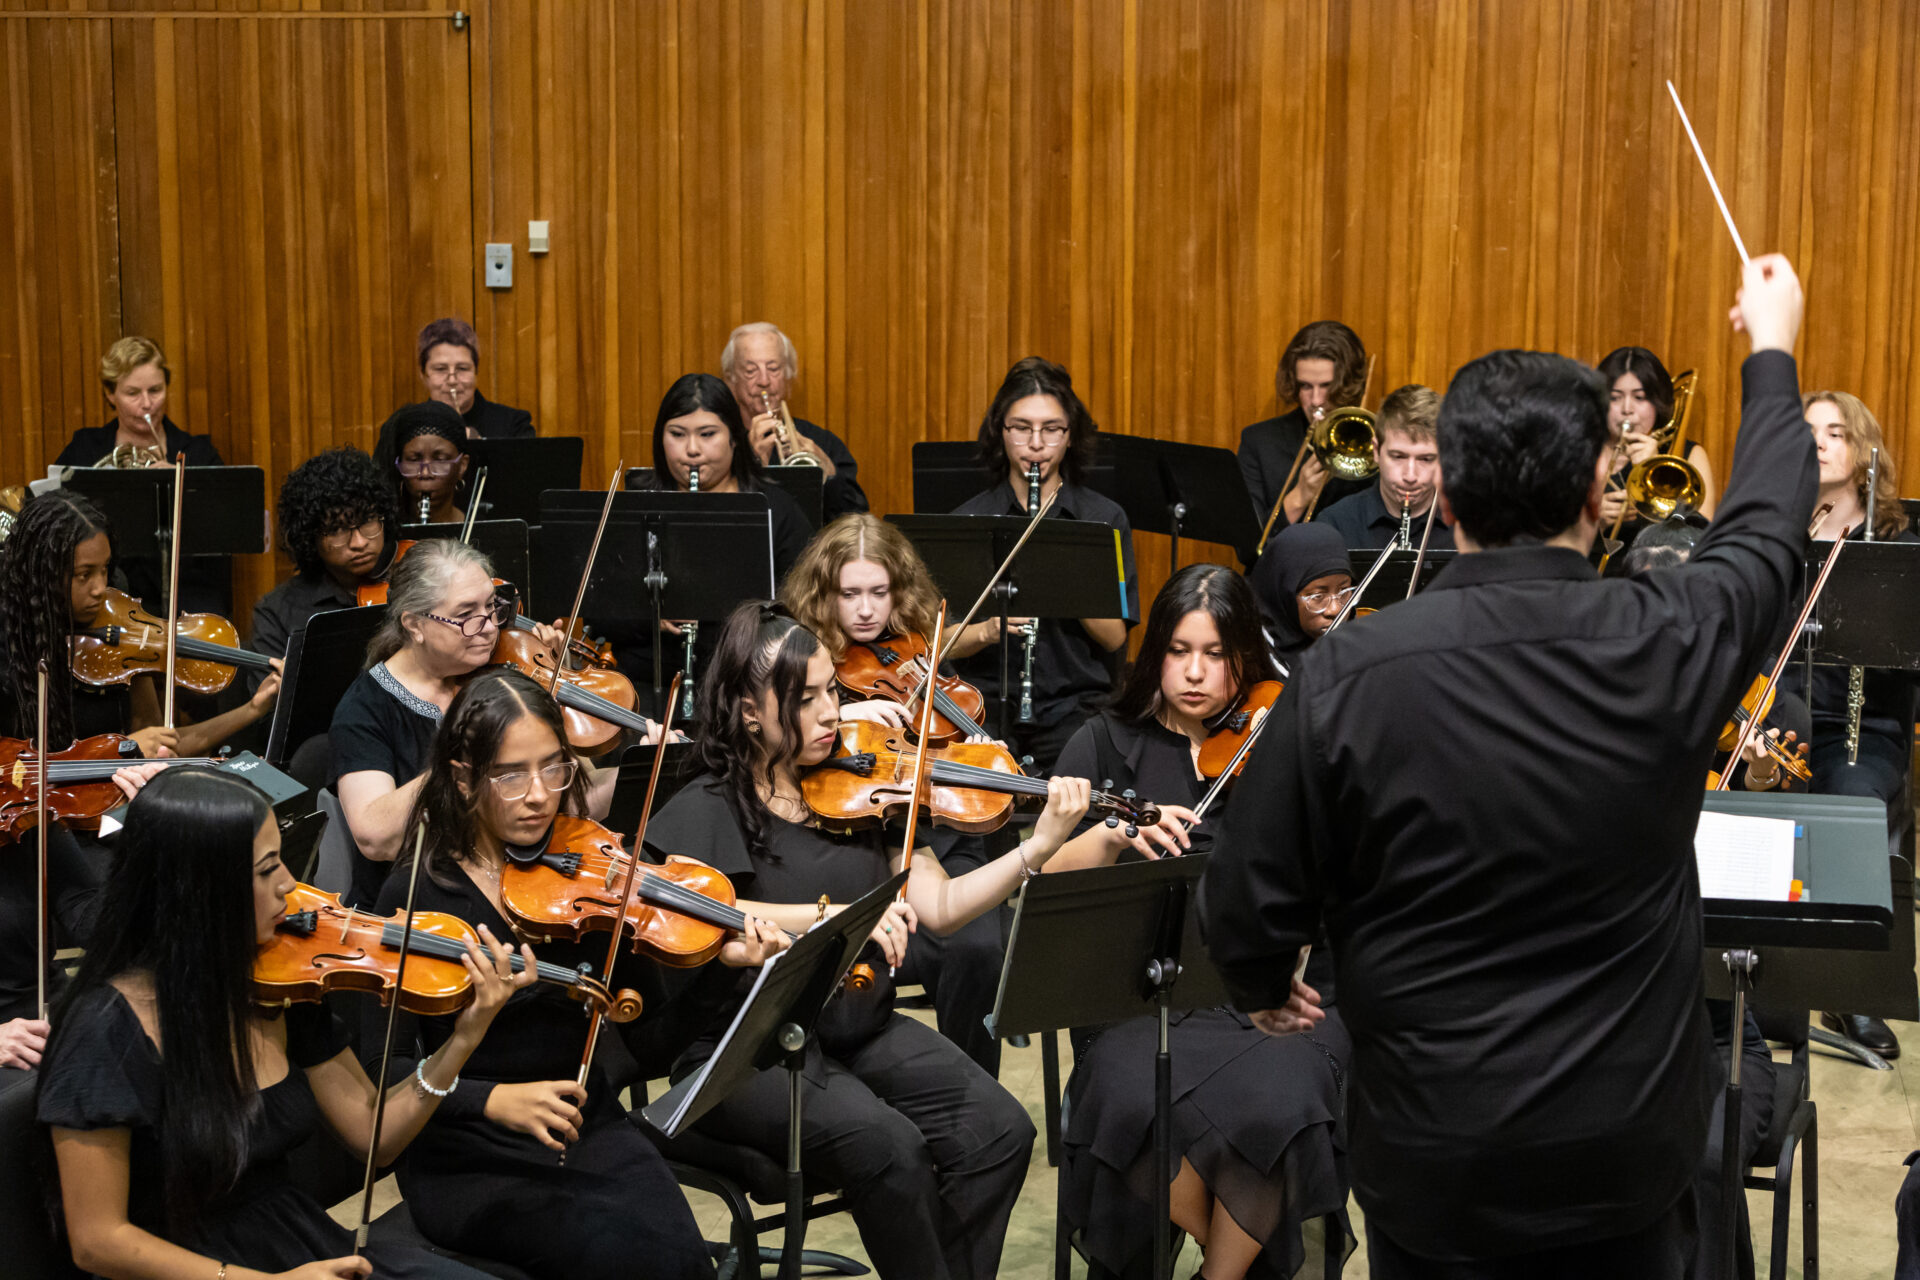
420	1079
1027	872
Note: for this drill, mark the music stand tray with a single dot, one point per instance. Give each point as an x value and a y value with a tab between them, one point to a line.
807	486
505	542
519	471
323	659
1184	491
1869	613
947	472
223	513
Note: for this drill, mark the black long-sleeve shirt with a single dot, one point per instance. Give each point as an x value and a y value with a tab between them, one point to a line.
1489	794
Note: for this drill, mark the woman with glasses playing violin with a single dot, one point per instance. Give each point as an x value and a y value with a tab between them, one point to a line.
1255	1117
522	1163
430	462
1037	420
1301	582
443	618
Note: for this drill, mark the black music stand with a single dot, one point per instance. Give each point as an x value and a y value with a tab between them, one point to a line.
505	542
636	770
519	471
665	554
323	658
1068	569
1869	613
1105	945
1839	846
807	486
772	1028
224	511
1391	585
947	472
1184	490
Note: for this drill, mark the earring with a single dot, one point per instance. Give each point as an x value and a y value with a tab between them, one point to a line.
753	727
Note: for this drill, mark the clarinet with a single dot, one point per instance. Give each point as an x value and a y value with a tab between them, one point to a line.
1031	632
689	631
1406	526
1857	676
425	507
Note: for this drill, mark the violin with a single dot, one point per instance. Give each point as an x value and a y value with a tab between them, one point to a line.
972	786
368	593
126	641
1756	704
595	701
80	789
1218	753
323	947
680	915
896	667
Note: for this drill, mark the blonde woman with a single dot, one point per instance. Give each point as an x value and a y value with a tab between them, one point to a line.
1846	433
135	378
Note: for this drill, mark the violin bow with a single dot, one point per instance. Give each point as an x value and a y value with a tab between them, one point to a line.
580	592
1420	557
473	505
1346	610
386	1052
924	754
632	884
40	821
1033	522
1780	663
173	581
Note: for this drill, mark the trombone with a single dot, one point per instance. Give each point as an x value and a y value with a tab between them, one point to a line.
1667	482
1343	441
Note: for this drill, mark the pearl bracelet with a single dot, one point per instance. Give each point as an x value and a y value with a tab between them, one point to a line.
420	1079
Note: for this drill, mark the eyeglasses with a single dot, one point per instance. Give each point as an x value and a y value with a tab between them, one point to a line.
498	614
425	467
515	786
367	532
1052	433
1317	600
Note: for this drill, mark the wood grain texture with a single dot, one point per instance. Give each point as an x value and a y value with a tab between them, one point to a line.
1154	192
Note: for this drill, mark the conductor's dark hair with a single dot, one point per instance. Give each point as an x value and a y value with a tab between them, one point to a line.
467	744
690	393
36	576
1222	595
1035	376
329	493
1646	366
761	648
178	906
1519	433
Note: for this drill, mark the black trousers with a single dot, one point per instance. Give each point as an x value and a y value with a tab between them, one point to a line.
929	1150
1709	1200
961	970
1657	1252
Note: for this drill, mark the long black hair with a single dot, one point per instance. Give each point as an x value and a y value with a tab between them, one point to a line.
1035	376
491	703
761	648
1222	595
36	577
1653	375
179	906
690	393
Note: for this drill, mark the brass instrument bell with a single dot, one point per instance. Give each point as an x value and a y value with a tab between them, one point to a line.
1344	441
1667	482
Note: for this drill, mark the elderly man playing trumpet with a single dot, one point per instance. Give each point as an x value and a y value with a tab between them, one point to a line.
760	365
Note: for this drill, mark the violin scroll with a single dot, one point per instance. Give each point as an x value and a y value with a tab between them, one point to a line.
1128	808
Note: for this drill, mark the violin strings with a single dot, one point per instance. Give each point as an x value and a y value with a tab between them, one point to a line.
666	892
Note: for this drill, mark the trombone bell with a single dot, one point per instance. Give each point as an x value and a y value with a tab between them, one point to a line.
1344	441
1664	484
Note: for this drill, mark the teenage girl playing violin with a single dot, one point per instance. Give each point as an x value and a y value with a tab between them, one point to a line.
53	576
929	1150
484	1176
1255	1128
174	1100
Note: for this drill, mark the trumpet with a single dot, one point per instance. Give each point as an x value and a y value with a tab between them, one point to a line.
786	454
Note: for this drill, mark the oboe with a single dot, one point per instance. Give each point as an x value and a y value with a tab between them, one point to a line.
1857	676
1031	631
689	631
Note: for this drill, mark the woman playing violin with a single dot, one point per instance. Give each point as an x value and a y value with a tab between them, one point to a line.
1255	1118
484	1177
929	1150
54	577
444	615
174	1100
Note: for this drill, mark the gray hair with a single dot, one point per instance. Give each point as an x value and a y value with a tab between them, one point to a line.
788	356
418	583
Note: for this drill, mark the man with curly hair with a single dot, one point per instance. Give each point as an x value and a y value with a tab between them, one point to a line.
335	517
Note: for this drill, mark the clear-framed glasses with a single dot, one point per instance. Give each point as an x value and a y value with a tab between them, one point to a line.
425	468
515	786
497	614
1319	601
1052	433
367	532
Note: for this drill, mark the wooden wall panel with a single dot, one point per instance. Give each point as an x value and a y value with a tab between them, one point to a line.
1156	192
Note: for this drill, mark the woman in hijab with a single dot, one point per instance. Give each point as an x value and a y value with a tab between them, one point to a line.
1301	581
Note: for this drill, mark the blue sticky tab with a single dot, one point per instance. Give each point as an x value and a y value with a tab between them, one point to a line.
1799	831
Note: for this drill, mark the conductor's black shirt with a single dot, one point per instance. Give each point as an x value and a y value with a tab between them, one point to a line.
1489	794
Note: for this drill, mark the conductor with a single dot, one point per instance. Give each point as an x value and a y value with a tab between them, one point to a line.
1486	797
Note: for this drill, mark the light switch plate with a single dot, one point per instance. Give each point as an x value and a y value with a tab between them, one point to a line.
499	266
537	237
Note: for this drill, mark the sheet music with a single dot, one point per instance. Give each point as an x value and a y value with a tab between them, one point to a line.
698	1080
1744	857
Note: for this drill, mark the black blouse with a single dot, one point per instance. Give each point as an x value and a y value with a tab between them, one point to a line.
108	709
380	726
1146	756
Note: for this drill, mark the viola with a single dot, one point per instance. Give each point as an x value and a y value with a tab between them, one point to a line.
1231	731
896	667
595	701
681	913
868	781
323	947
1752	707
368	593
126	641
80	789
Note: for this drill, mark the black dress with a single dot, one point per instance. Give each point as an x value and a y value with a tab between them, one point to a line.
478	1188
928	1149
103	1072
1257	1116
380	726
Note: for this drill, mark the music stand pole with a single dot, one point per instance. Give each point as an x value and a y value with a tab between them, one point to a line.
656	581
1176	514
1740	962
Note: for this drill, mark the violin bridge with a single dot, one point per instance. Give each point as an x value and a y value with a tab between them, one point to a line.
346	923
